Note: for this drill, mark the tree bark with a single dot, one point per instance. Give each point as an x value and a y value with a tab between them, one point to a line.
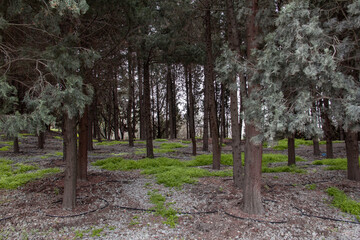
16	145
206	111
116	108
147	111
212	107
130	97
253	150
83	146
352	154
328	130
238	170
41	140
141	100
316	146
171	103
69	197
291	150
191	110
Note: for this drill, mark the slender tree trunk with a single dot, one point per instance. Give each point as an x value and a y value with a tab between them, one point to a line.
171	100
158	112
212	107
130	101
253	150
69	197
352	154
41	140
222	114
206	111
147	111
83	146
328	130
116	108
316	146
16	145
90	129
141	101
191	110
238	170
291	150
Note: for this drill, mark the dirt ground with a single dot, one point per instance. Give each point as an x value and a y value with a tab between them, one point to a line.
111	205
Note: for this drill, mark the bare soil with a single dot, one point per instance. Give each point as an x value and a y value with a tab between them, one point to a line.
111	205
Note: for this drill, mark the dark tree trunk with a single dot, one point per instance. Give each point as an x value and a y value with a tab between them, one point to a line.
171	103
316	146
158	112
222	114
291	150
253	150
328	130
206	111
147	111
238	170
191	109
141	100
41	140
116	108
212	107
16	145
90	129
352	154
130	101
83	146
69	197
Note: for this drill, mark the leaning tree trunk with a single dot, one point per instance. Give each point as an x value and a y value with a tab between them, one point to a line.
352	154
83	146
147	112
291	150
212	107
253	150
69	197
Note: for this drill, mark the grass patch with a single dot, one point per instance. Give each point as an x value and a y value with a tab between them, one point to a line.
6	148
55	154
292	169
343	202
283	143
110	143
206	159
171	145
163	209
185	141
160	140
15	175
334	164
140	142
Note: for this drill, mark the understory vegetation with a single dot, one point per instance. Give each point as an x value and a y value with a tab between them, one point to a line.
13	175
343	202
333	164
283	143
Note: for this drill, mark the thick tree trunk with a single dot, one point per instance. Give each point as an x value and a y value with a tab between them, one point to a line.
206	111
130	101
83	146
352	154
147	111
252	180
212	107
253	151
316	146
191	111
69	197
16	145
41	140
291	150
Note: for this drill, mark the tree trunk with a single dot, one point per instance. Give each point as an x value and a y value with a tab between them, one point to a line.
212	107
83	146
69	197
253	151
328	130
41	140
222	114
158	112
147	111
352	154
116	108
191	110
130	96
291	150
252	180
16	145
141	100
171	103
206	111
238	170
316	146
90	129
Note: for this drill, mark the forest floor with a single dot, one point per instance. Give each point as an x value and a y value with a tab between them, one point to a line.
112	204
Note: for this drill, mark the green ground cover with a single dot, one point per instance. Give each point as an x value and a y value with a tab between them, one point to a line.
343	202
333	164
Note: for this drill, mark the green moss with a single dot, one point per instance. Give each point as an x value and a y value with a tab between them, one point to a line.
15	175
334	164
310	186
185	141
163	209
54	154
206	159
292	169
6	148
283	143
110	143
171	145
343	202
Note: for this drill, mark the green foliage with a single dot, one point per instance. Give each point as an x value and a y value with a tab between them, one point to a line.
110	143
343	202
334	164
160	140
292	169
283	143
97	232
171	145
163	209
310	186
206	159
6	148
15	175
54	154
185	141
